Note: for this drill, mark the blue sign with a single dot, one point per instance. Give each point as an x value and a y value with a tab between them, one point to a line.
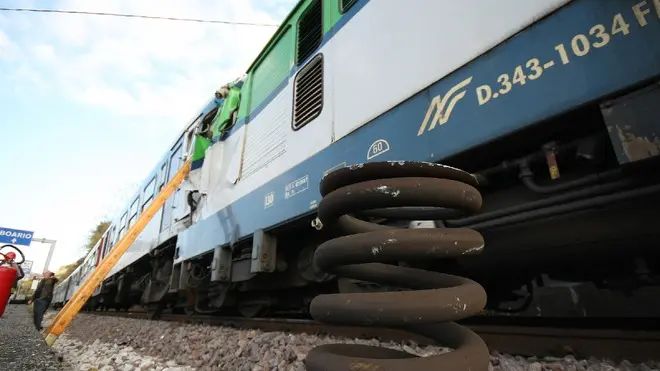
15	236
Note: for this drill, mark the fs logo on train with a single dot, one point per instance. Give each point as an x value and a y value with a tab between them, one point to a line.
443	106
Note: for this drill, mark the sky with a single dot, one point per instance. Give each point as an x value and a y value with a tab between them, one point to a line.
88	104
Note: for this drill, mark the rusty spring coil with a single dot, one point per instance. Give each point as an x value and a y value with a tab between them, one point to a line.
368	251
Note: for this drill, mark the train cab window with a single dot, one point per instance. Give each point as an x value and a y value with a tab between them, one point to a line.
190	138
344	5
133	211
148	194
227	114
310	31
206	127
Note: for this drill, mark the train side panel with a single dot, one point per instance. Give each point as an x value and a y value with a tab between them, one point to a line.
349	86
529	78
491	104
387	51
350	64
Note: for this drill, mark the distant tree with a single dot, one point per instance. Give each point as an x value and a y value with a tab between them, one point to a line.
96	234
25	287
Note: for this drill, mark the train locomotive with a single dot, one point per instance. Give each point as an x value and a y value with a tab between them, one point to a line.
340	148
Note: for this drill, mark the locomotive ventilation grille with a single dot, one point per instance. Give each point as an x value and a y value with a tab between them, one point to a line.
308	94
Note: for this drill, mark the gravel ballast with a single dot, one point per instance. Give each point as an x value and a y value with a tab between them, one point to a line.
83	356
112	343
22	347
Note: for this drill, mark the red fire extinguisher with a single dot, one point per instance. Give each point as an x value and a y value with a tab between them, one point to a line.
8	275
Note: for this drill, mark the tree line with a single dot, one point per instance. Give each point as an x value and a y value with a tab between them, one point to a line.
94	236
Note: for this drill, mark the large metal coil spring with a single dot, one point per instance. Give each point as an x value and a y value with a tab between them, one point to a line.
369	251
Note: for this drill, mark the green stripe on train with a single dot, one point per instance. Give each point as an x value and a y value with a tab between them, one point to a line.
201	144
277	59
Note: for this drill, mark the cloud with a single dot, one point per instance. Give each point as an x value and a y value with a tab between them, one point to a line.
138	67
44	53
7	48
26	74
145	77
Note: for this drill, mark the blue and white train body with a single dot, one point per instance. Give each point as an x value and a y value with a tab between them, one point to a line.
548	103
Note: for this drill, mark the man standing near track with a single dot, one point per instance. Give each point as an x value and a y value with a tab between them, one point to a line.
42	297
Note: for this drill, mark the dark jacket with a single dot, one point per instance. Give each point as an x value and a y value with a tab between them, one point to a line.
45	288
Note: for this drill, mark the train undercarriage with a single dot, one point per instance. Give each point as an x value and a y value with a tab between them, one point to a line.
569	220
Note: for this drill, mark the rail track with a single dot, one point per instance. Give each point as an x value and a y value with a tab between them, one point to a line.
523	340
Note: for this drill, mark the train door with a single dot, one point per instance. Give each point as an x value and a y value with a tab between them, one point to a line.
67	289
176	160
98	258
181	208
99	251
108	242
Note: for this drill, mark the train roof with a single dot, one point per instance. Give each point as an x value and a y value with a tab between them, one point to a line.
283	25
